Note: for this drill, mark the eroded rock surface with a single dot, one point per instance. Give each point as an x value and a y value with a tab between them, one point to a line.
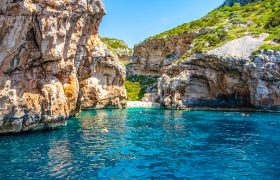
119	48
151	56
51	58
221	79
101	79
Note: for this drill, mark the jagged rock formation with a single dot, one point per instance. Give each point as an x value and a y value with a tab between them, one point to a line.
221	79
242	2
119	48
151	56
101	77
223	60
223	24
51	58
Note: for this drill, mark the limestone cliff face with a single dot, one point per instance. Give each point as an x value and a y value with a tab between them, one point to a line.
119	48
101	79
211	62
151	56
226	77
49	55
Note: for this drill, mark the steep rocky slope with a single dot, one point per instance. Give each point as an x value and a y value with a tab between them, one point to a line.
228	59
218	27
151	56
119	48
218	79
53	63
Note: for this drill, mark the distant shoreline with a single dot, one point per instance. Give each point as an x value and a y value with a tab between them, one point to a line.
229	109
140	104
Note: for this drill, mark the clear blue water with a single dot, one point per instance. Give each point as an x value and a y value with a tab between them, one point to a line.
148	144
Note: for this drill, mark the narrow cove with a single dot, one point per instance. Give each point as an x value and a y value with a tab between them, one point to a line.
147	143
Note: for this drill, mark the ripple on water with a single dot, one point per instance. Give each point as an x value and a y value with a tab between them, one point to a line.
148	143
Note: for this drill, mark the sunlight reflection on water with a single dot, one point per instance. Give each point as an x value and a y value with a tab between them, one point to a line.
148	143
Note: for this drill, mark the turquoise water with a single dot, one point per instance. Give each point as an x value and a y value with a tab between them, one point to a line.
148	144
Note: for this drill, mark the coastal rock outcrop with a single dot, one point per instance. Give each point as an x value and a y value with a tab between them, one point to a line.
226	59
101	79
226	77
151	56
51	58
119	48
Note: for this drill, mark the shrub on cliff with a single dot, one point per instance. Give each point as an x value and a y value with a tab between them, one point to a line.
274	21
118	47
137	85
230	22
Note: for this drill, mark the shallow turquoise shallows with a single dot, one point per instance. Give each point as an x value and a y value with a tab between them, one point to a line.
147	144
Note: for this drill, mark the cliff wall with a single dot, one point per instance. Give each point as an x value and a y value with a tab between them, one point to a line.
52	63
227	59
224	78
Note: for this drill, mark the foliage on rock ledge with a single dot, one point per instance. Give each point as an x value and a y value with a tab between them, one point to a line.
137	85
231	22
119	48
116	44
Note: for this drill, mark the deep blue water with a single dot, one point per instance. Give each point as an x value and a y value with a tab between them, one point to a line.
148	144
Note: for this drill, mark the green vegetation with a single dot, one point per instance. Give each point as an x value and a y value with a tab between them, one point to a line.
126	63
114	43
137	85
119	48
274	21
230	22
116	46
270	47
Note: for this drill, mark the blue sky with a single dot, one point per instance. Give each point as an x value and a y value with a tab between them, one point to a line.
135	20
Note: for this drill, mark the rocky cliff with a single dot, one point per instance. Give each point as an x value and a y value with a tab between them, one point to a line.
152	55
226	77
53	63
119	48
227	59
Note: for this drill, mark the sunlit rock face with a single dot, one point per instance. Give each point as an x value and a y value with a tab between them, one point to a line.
226	77
101	79
204	81
152	56
43	45
264	81
229	76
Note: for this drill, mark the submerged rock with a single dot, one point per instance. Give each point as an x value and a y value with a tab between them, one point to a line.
51	58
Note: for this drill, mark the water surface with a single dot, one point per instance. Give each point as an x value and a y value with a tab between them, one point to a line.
147	144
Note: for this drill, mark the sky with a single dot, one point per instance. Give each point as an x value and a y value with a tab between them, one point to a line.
135	20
